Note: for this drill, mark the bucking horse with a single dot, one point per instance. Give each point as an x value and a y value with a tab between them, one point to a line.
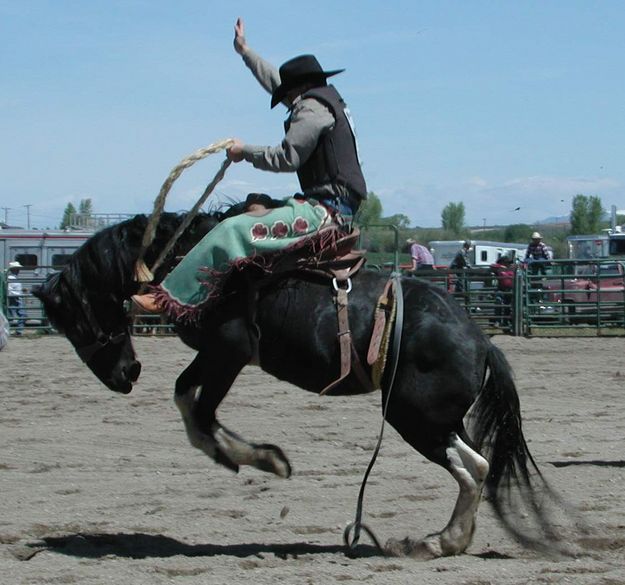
452	395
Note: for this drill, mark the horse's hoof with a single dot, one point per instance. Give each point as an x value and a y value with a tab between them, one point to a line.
416	549
272	459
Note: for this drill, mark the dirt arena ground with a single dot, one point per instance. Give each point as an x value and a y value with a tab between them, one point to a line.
101	488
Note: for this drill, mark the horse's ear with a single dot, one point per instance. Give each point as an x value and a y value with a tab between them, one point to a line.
37	291
47	293
142	272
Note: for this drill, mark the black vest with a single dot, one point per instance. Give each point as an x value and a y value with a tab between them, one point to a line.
335	159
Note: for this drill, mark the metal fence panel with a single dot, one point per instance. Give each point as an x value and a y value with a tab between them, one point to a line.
572	297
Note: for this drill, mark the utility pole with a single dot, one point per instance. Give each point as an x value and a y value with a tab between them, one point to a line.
6	214
28	214
484	220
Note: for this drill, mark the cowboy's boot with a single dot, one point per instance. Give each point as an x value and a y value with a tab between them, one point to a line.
147	303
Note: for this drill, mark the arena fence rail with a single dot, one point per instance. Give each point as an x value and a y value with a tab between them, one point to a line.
563	298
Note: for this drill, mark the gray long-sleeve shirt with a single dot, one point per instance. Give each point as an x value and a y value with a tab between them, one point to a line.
309	119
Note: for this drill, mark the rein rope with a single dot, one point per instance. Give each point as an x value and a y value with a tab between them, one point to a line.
159	202
357	525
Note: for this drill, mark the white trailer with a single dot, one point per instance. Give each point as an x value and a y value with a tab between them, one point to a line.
483	252
588	247
39	251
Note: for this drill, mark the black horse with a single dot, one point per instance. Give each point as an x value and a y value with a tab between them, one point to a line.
446	368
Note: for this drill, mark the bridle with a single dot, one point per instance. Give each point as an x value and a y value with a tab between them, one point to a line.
102	339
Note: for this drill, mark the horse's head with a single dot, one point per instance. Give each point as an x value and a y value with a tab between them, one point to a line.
86	300
96	325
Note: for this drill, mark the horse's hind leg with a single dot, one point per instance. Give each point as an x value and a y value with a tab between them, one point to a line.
469	469
199	391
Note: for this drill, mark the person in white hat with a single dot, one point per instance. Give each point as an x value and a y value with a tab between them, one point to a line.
15	293
537	254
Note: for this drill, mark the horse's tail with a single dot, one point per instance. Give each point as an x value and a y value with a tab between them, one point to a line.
515	486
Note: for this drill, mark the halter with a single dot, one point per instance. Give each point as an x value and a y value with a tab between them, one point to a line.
102	339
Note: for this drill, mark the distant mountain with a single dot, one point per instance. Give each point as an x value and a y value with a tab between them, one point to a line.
567	218
555	219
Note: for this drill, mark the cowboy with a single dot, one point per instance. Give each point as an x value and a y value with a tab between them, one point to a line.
15	292
320	142
319	145
537	254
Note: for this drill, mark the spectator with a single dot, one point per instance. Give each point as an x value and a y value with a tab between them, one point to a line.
537	255
15	293
461	261
504	270
421	257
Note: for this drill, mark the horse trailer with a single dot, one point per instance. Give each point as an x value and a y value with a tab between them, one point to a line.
483	252
39	251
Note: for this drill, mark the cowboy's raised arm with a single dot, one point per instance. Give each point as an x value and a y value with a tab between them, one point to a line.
266	74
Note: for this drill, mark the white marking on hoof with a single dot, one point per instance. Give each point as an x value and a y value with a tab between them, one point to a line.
424	550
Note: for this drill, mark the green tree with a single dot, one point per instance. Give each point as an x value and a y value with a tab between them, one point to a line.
370	211
399	219
69	212
586	214
85	207
452	217
595	214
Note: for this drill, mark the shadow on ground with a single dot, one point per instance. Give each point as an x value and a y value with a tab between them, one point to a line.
141	546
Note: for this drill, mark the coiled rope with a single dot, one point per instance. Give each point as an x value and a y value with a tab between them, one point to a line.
159	202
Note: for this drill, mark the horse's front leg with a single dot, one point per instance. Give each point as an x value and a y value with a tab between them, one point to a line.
199	391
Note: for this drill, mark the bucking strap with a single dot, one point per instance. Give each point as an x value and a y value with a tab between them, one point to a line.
382	312
386	315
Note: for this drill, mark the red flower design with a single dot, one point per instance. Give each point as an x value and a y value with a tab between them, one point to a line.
259	231
300	225
279	230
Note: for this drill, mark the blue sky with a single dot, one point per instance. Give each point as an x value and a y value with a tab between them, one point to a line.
497	104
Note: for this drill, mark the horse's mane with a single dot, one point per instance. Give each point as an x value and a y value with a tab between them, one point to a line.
105	263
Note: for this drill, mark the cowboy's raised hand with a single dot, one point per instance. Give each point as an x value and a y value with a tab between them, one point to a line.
235	152
240	44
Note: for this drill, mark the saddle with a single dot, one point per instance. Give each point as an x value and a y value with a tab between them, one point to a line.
336	261
328	254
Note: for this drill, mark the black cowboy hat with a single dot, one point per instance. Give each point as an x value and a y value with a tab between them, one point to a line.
296	72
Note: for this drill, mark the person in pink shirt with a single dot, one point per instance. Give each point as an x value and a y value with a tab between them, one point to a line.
421	257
